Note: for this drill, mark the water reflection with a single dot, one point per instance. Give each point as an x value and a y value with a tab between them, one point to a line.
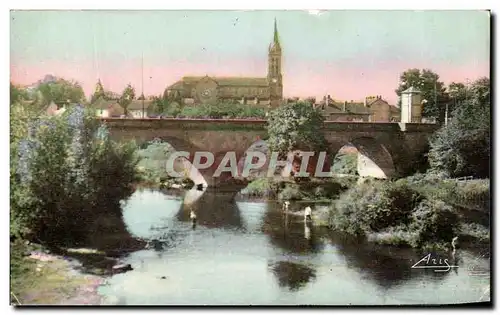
292	275
253	253
289	232
384	265
212	211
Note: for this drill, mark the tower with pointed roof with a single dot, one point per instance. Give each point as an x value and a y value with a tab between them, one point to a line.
411	106
274	75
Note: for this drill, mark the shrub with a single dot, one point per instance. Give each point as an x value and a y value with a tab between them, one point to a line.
393	213
348	212
261	187
291	192
435	222
223	110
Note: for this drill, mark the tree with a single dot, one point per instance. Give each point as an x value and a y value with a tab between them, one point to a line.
295	126
127	96
61	92
433	90
98	92
65	172
457	93
108	95
462	148
141	97
17	94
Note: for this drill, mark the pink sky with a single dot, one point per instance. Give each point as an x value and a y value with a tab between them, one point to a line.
345	81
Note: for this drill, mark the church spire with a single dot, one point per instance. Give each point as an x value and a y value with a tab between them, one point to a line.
276	37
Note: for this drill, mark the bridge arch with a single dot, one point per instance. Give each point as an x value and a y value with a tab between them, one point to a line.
260	146
375	157
181	164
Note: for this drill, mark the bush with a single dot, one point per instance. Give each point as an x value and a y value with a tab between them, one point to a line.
346	164
348	212
223	110
291	192
64	171
393	213
434	222
261	187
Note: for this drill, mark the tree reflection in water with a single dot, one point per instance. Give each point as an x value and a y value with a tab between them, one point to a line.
292	275
213	210
289	232
386	266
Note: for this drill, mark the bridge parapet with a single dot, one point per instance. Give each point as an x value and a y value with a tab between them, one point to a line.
191	124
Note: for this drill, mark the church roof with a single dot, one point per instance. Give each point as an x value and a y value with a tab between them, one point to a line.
223	81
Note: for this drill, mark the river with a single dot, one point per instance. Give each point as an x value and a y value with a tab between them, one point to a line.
250	253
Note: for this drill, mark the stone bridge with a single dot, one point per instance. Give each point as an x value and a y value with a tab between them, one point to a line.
386	149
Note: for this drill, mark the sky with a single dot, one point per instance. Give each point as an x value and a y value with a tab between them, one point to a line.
346	54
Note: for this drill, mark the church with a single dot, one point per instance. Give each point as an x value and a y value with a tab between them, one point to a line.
246	90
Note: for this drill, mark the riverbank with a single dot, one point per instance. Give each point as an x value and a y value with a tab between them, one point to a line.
41	278
420	211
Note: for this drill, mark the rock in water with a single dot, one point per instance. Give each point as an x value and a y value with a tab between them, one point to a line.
122	268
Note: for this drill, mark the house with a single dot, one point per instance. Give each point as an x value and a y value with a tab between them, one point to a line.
138	108
381	110
107	108
343	111
373	109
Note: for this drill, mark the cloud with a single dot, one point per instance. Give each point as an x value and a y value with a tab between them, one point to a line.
316	12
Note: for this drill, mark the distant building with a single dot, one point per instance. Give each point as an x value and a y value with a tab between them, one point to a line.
107	108
138	108
373	108
381	110
257	91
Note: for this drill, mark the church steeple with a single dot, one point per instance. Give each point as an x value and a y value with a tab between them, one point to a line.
274	67
276	37
275	46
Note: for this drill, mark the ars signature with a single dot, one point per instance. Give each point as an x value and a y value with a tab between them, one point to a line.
428	262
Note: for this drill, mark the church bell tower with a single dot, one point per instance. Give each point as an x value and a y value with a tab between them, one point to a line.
274	75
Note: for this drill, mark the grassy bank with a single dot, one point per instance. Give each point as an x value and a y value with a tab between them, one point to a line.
418	211
307	190
39	278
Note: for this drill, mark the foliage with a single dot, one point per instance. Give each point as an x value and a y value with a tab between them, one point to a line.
64	170
172	109
153	161
17	94
127	96
292	191
262	187
393	213
101	92
432	90
462	148
346	164
61	92
286	190
222	110
434	222
295	126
